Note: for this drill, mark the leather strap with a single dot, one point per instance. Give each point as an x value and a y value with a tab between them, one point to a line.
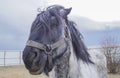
45	46
35	44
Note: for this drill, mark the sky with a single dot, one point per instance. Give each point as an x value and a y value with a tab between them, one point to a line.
94	19
99	10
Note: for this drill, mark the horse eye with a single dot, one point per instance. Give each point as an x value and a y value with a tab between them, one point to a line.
54	20
52	14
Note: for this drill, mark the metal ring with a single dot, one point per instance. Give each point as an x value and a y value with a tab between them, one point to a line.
48	49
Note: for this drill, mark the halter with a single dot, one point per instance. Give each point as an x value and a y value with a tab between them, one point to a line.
48	48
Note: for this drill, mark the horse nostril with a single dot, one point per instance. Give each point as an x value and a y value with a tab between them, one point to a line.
36	56
32	55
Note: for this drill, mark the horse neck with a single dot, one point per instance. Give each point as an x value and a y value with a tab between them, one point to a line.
67	68
61	70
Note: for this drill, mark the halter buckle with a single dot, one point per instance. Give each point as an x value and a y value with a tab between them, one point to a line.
48	49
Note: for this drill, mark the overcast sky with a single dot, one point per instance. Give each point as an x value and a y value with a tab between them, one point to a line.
16	17
99	10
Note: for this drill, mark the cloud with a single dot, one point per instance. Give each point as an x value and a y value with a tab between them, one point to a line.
100	10
86	24
16	17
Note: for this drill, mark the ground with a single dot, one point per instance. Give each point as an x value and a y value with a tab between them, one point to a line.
16	72
21	72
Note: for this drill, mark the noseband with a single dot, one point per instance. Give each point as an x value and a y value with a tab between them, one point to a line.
48	48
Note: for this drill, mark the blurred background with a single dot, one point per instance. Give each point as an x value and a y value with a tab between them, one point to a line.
97	20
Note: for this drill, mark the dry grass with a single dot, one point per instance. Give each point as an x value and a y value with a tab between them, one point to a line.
114	76
16	72
21	72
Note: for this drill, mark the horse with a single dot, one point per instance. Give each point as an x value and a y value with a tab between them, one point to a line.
55	47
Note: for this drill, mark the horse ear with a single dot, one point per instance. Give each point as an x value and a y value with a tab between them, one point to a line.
68	10
65	12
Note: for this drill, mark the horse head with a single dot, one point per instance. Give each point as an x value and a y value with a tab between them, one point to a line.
47	40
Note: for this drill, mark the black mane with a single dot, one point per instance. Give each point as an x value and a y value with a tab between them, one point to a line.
78	45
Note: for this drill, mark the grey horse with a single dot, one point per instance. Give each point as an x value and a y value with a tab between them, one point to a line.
55	47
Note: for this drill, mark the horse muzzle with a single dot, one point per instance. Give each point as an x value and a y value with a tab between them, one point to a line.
34	61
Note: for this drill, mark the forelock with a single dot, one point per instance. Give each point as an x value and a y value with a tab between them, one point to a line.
55	7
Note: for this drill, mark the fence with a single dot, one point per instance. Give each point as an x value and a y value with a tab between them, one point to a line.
10	58
14	57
